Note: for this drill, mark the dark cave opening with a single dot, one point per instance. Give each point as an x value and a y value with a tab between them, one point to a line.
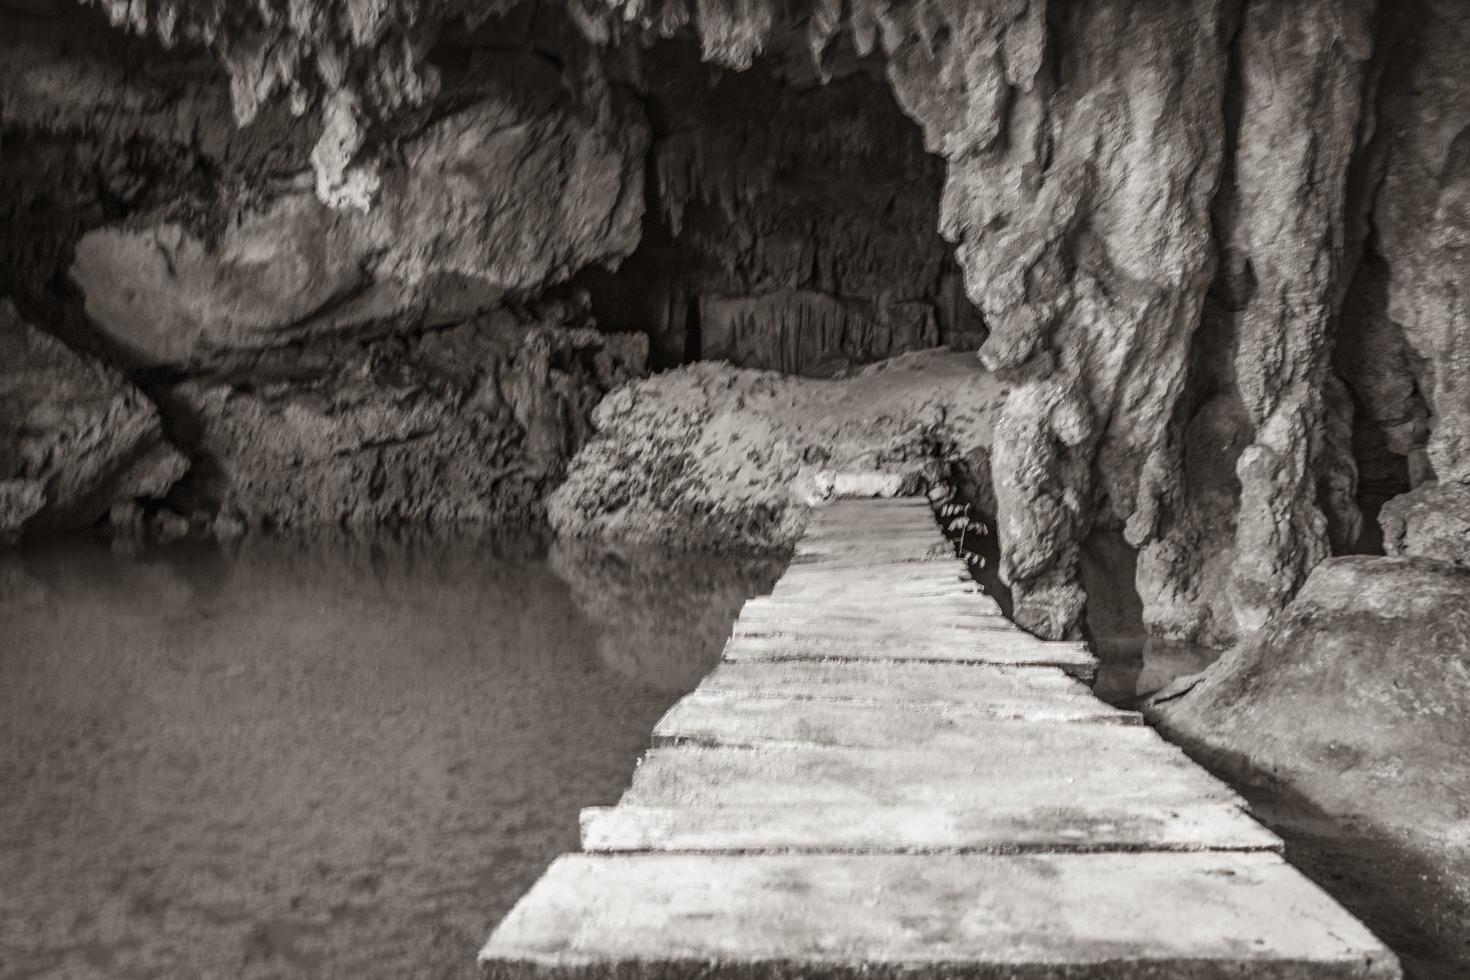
790	223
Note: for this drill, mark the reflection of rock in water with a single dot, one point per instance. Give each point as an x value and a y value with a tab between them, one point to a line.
663	616
1165	661
17	588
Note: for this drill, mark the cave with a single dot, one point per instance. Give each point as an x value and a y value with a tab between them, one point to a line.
332	330
791	222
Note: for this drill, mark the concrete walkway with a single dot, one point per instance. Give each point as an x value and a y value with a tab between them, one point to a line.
885	777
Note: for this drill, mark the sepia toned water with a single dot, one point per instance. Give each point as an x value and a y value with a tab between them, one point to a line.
342	759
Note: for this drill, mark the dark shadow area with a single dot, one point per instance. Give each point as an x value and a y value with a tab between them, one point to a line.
791	225
1133	665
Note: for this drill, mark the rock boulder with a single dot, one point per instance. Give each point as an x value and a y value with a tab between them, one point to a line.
75	437
509	194
469	425
1431	521
1356	697
712	456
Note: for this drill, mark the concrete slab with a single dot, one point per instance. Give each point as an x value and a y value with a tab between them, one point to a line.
932	549
880	530
876	590
982	917
856	588
959	613
801	776
960	598
883	536
883	533
1005	651
839	557
724	719
882	620
892	573
912	501
923	830
1026	693
953	582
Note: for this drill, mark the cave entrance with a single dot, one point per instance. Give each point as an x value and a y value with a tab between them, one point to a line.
791	224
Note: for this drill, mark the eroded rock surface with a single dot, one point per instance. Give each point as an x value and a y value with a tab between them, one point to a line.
1432	521
469	425
717	457
1422	220
1358	694
1351	714
75	438
515	192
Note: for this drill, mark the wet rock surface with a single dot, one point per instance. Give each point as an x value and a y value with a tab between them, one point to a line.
75	438
717	457
1350	713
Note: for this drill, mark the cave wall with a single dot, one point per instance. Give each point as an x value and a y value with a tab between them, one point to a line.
432	354
1161	210
308	365
1214	249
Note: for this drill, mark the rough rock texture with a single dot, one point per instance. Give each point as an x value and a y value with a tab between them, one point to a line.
1121	172
513	192
1432	521
1421	220
1245	525
75	438
1352	709
325	366
711	456
1217	245
469	425
1356	694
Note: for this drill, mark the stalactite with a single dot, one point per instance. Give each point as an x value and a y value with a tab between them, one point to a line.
718	170
803	328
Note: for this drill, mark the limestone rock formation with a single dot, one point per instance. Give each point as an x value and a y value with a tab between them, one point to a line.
1432	521
75	438
469	425
1358	695
1354	705
715	457
514	192
1421	220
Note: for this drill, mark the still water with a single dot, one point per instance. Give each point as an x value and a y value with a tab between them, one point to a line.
343	759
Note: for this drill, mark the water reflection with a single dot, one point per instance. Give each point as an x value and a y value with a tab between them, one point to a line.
653	604
348	758
1129	673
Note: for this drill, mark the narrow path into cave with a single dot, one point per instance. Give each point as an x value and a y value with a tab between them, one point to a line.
885	774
